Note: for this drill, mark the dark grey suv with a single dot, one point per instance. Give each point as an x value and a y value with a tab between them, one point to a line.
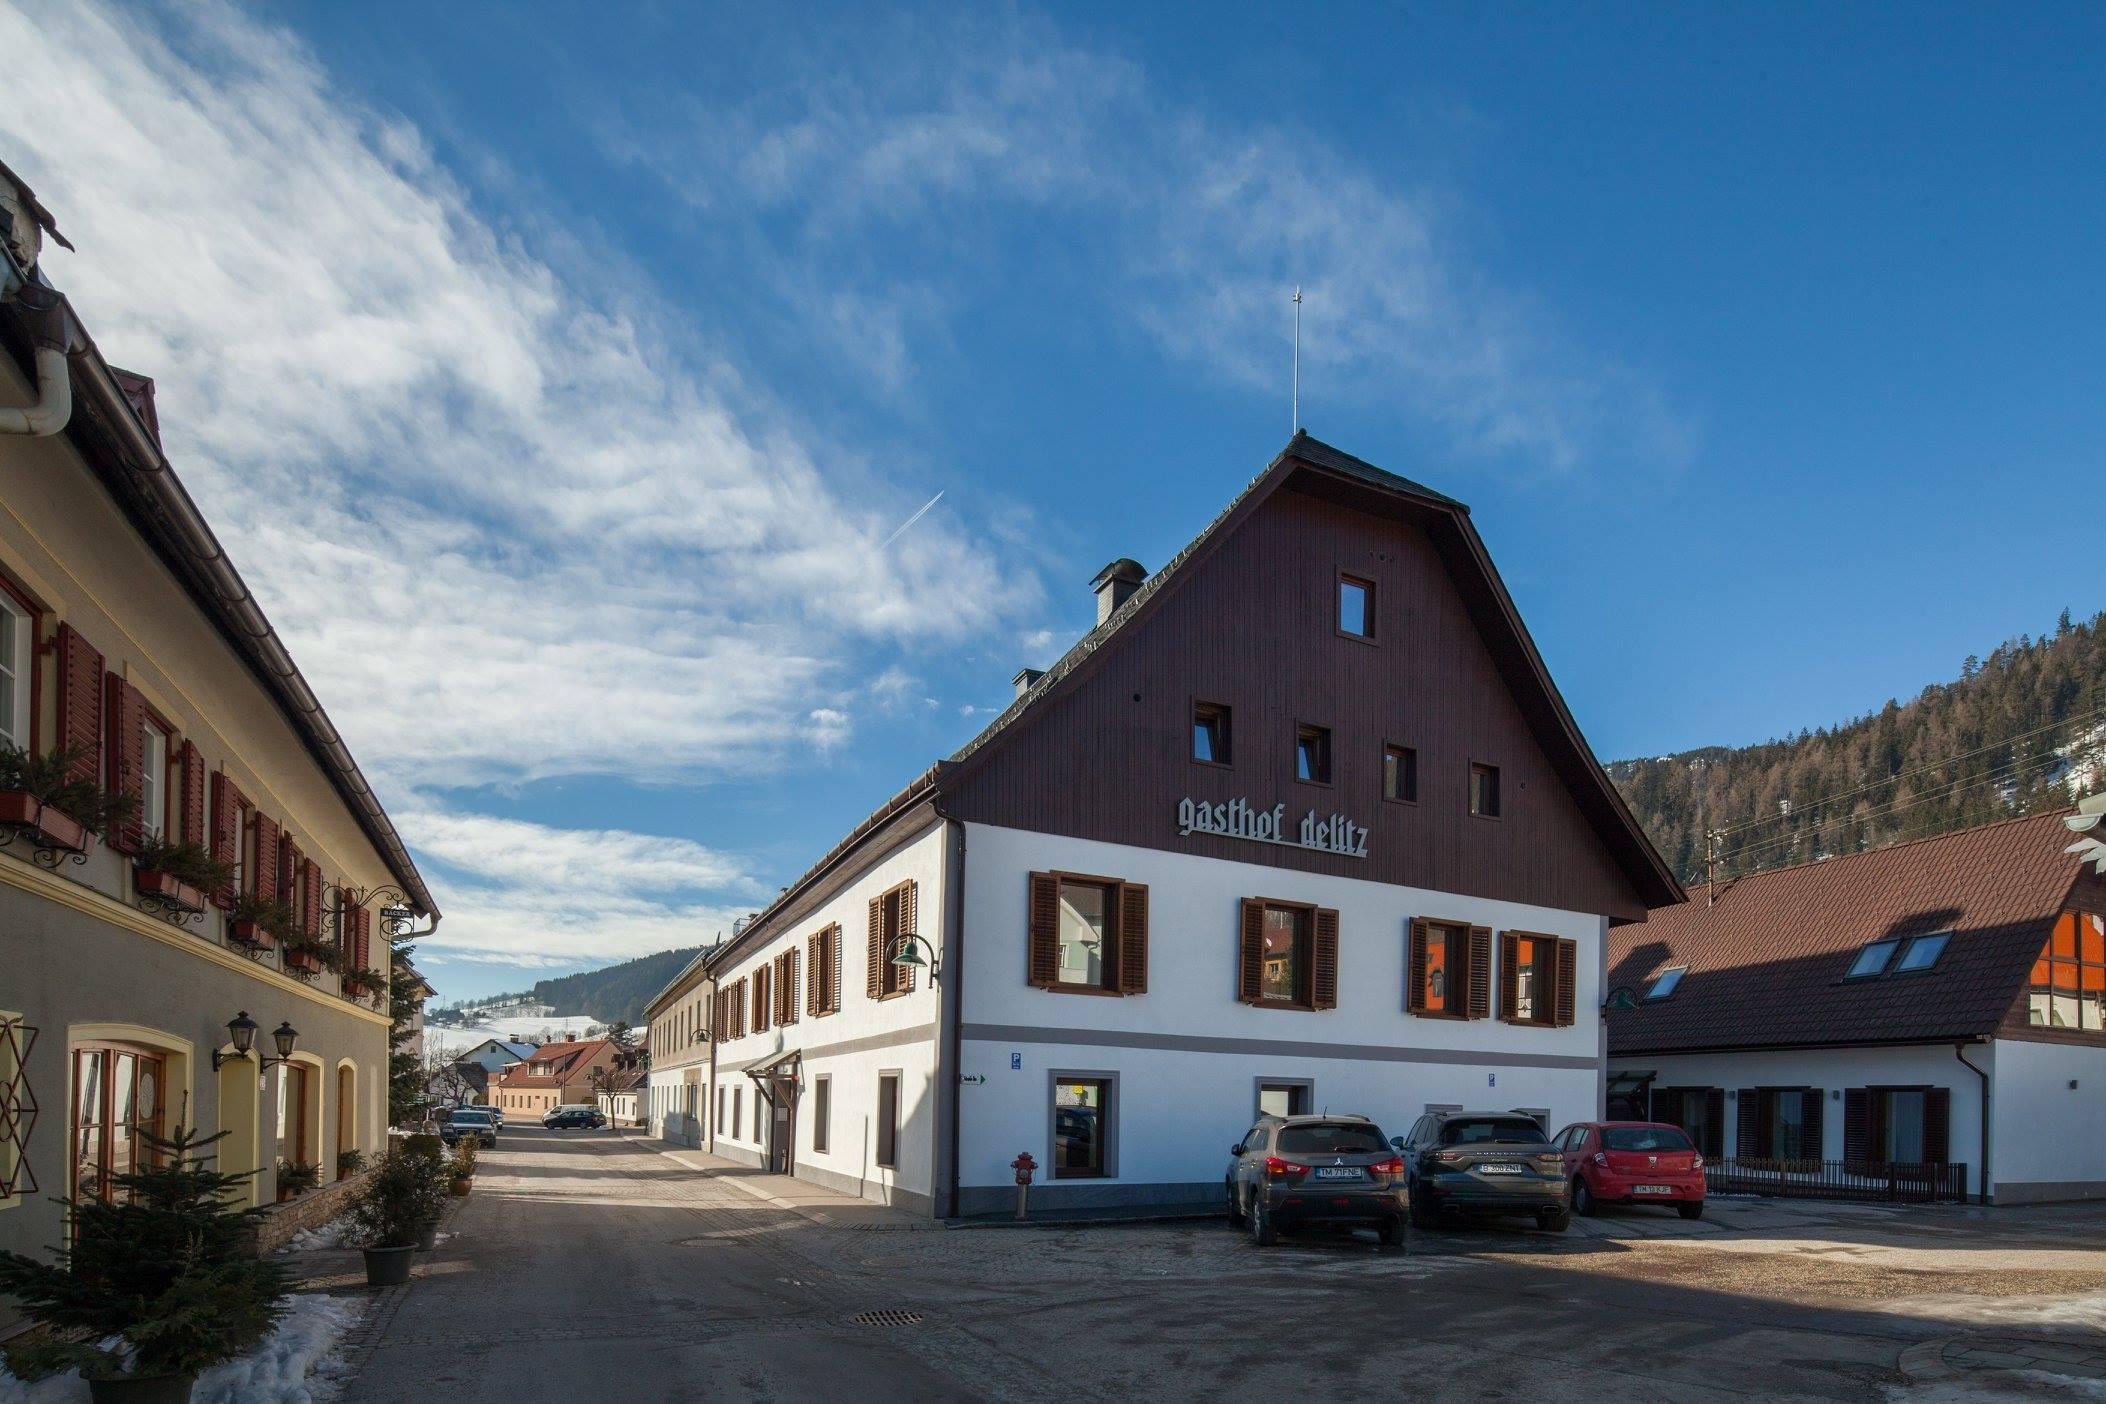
1295	1171
1485	1162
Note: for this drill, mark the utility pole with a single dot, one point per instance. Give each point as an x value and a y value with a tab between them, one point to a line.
1710	867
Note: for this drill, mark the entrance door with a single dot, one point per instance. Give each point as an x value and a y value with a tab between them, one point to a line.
781	1128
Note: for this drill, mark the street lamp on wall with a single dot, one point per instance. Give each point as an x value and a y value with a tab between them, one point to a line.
241	1032
909	956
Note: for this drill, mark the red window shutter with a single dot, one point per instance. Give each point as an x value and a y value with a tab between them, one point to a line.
1250	952
361	952
1568	983
1748	1131
1326	983
80	704
311	900
1937	1125
875	975
1857	1126
1479	1005
193	805
125	710
1415	965
289	870
226	839
265	881
1042	963
1133	938
1510	977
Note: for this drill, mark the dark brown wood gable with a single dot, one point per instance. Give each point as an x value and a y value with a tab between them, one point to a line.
1251	626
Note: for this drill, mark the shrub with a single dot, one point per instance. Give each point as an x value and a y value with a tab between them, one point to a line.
185	862
49	778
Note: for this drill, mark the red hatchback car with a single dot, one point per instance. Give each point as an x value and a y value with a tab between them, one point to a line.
1632	1162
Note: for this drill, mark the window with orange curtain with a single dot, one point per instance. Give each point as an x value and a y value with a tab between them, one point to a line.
2068	988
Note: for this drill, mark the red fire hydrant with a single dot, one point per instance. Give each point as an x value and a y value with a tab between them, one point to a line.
1023	1165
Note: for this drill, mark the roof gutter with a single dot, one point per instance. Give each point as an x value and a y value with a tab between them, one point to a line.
53	408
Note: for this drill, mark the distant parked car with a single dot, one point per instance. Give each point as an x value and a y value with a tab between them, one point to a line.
465	1122
1485	1163
1297	1171
488	1114
569	1118
1632	1162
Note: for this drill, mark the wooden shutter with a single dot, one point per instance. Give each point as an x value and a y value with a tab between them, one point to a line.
1937	1125
875	975
1510	977
1857	1126
1568	983
362	951
909	921
1666	1105
1323	988
815	946
1714	1122
226	839
833	969
1480	1000
193	804
1813	1128
1415	965
80	704
311	899
265	882
126	711
1250	953
1133	938
1747	1131
793	962
1042	944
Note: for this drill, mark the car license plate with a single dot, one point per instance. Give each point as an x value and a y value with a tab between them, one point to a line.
1330	1172
1652	1189
1498	1169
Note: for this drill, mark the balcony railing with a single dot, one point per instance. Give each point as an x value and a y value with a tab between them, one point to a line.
1899	1182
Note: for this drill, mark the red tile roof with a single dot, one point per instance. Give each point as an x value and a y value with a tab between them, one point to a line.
1767	961
565	1061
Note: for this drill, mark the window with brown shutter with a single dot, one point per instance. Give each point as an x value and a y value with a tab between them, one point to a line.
1536	977
80	705
874	971
1287	955
892	916
1087	935
823	977
1564	1007
311	897
125	711
761	1008
264	882
1857	1126
228	806
1479	1003
192	808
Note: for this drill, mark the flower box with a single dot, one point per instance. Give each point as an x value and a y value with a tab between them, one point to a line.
251	933
303	962
45	827
169	891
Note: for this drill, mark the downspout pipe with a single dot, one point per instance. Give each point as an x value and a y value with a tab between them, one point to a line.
952	1009
1959	1050
53	408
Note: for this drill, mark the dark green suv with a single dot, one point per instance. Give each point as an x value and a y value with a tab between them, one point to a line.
1485	1163
1291	1172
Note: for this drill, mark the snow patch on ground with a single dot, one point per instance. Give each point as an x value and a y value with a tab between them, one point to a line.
1977	1386
333	1234
300	1363
520	1028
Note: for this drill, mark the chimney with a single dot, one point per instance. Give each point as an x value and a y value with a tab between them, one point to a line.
1115	585
1026	678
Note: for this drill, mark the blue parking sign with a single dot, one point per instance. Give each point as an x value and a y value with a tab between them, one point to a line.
1016	1062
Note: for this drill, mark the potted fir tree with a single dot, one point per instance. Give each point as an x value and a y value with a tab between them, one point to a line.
460	1171
433	1186
179	876
259	923
157	1285
389	1216
46	799
295	1179
308	955
349	1163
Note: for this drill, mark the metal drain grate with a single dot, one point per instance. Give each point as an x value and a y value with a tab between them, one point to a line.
888	1316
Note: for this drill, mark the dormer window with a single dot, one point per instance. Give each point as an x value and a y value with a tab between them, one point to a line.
1922	952
1873	960
1665	982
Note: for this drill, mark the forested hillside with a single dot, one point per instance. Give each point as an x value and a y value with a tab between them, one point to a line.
618	993
2015	733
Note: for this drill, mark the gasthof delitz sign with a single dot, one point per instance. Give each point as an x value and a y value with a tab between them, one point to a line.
1237	818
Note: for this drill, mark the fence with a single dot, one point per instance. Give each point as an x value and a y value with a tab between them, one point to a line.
1837	1179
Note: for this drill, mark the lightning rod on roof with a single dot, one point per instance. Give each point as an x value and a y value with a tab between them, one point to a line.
1295	405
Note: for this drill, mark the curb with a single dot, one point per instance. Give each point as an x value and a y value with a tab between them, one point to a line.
1925	1361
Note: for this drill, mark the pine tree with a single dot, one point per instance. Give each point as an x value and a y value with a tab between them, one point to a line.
163	1266
407	1094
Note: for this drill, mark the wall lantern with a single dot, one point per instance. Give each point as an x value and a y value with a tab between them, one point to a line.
909	956
241	1032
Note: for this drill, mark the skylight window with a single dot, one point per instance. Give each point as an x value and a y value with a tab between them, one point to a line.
1872	960
1922	952
1664	983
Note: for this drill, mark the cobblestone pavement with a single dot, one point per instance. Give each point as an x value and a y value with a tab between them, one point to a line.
589	1267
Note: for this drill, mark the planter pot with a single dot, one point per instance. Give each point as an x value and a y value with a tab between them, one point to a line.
459	1188
428	1237
45	826
250	934
388	1267
169	891
142	1389
303	961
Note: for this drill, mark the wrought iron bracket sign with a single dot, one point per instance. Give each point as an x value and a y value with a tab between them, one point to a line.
1319	833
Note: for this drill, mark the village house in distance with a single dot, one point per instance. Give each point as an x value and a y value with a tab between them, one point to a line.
1932	1014
1302	823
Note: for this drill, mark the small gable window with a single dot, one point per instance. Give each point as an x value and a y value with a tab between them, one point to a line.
1484	791
1872	960
1665	982
1922	952
1210	733
1312	754
1356	607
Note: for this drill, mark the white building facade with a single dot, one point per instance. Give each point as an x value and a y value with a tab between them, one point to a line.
1300	825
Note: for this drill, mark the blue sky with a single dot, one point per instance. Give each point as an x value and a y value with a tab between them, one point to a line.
561	385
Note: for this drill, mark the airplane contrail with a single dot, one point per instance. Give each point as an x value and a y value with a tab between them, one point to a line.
910	521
